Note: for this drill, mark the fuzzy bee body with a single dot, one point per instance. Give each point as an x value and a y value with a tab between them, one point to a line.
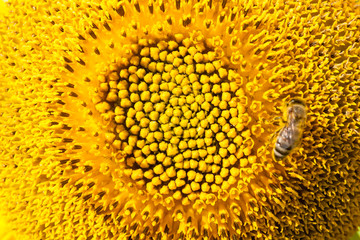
290	135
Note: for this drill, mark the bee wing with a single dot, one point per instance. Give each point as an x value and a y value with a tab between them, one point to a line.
295	135
286	137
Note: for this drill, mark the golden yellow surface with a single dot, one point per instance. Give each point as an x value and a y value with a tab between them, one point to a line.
6	233
157	120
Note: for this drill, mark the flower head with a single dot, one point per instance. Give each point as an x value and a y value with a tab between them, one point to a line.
156	120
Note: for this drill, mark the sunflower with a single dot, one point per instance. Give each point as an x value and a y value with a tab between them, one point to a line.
157	119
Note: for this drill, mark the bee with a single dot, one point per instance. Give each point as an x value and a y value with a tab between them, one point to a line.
290	135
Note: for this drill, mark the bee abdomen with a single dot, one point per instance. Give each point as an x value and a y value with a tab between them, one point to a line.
281	151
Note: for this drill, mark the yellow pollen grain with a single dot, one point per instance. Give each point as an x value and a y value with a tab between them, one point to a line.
154	53
187	189
200	68
162	45
158	169
153	125
193	79
209	178
224	143
202	153
195	154
191	175
177	195
187	154
184	123
209	68
183	145
202	166
198	57
162	145
216	89
195	186
179	183
215	79
188	59
191	143
172	185
171	172
178	158
120	119
192	50
156	181
151	159
123	135
205	187
164	177
167	161
163	55
154	115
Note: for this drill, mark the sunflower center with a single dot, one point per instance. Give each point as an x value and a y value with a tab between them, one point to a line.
176	113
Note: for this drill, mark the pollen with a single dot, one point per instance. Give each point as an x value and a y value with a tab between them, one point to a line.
157	119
